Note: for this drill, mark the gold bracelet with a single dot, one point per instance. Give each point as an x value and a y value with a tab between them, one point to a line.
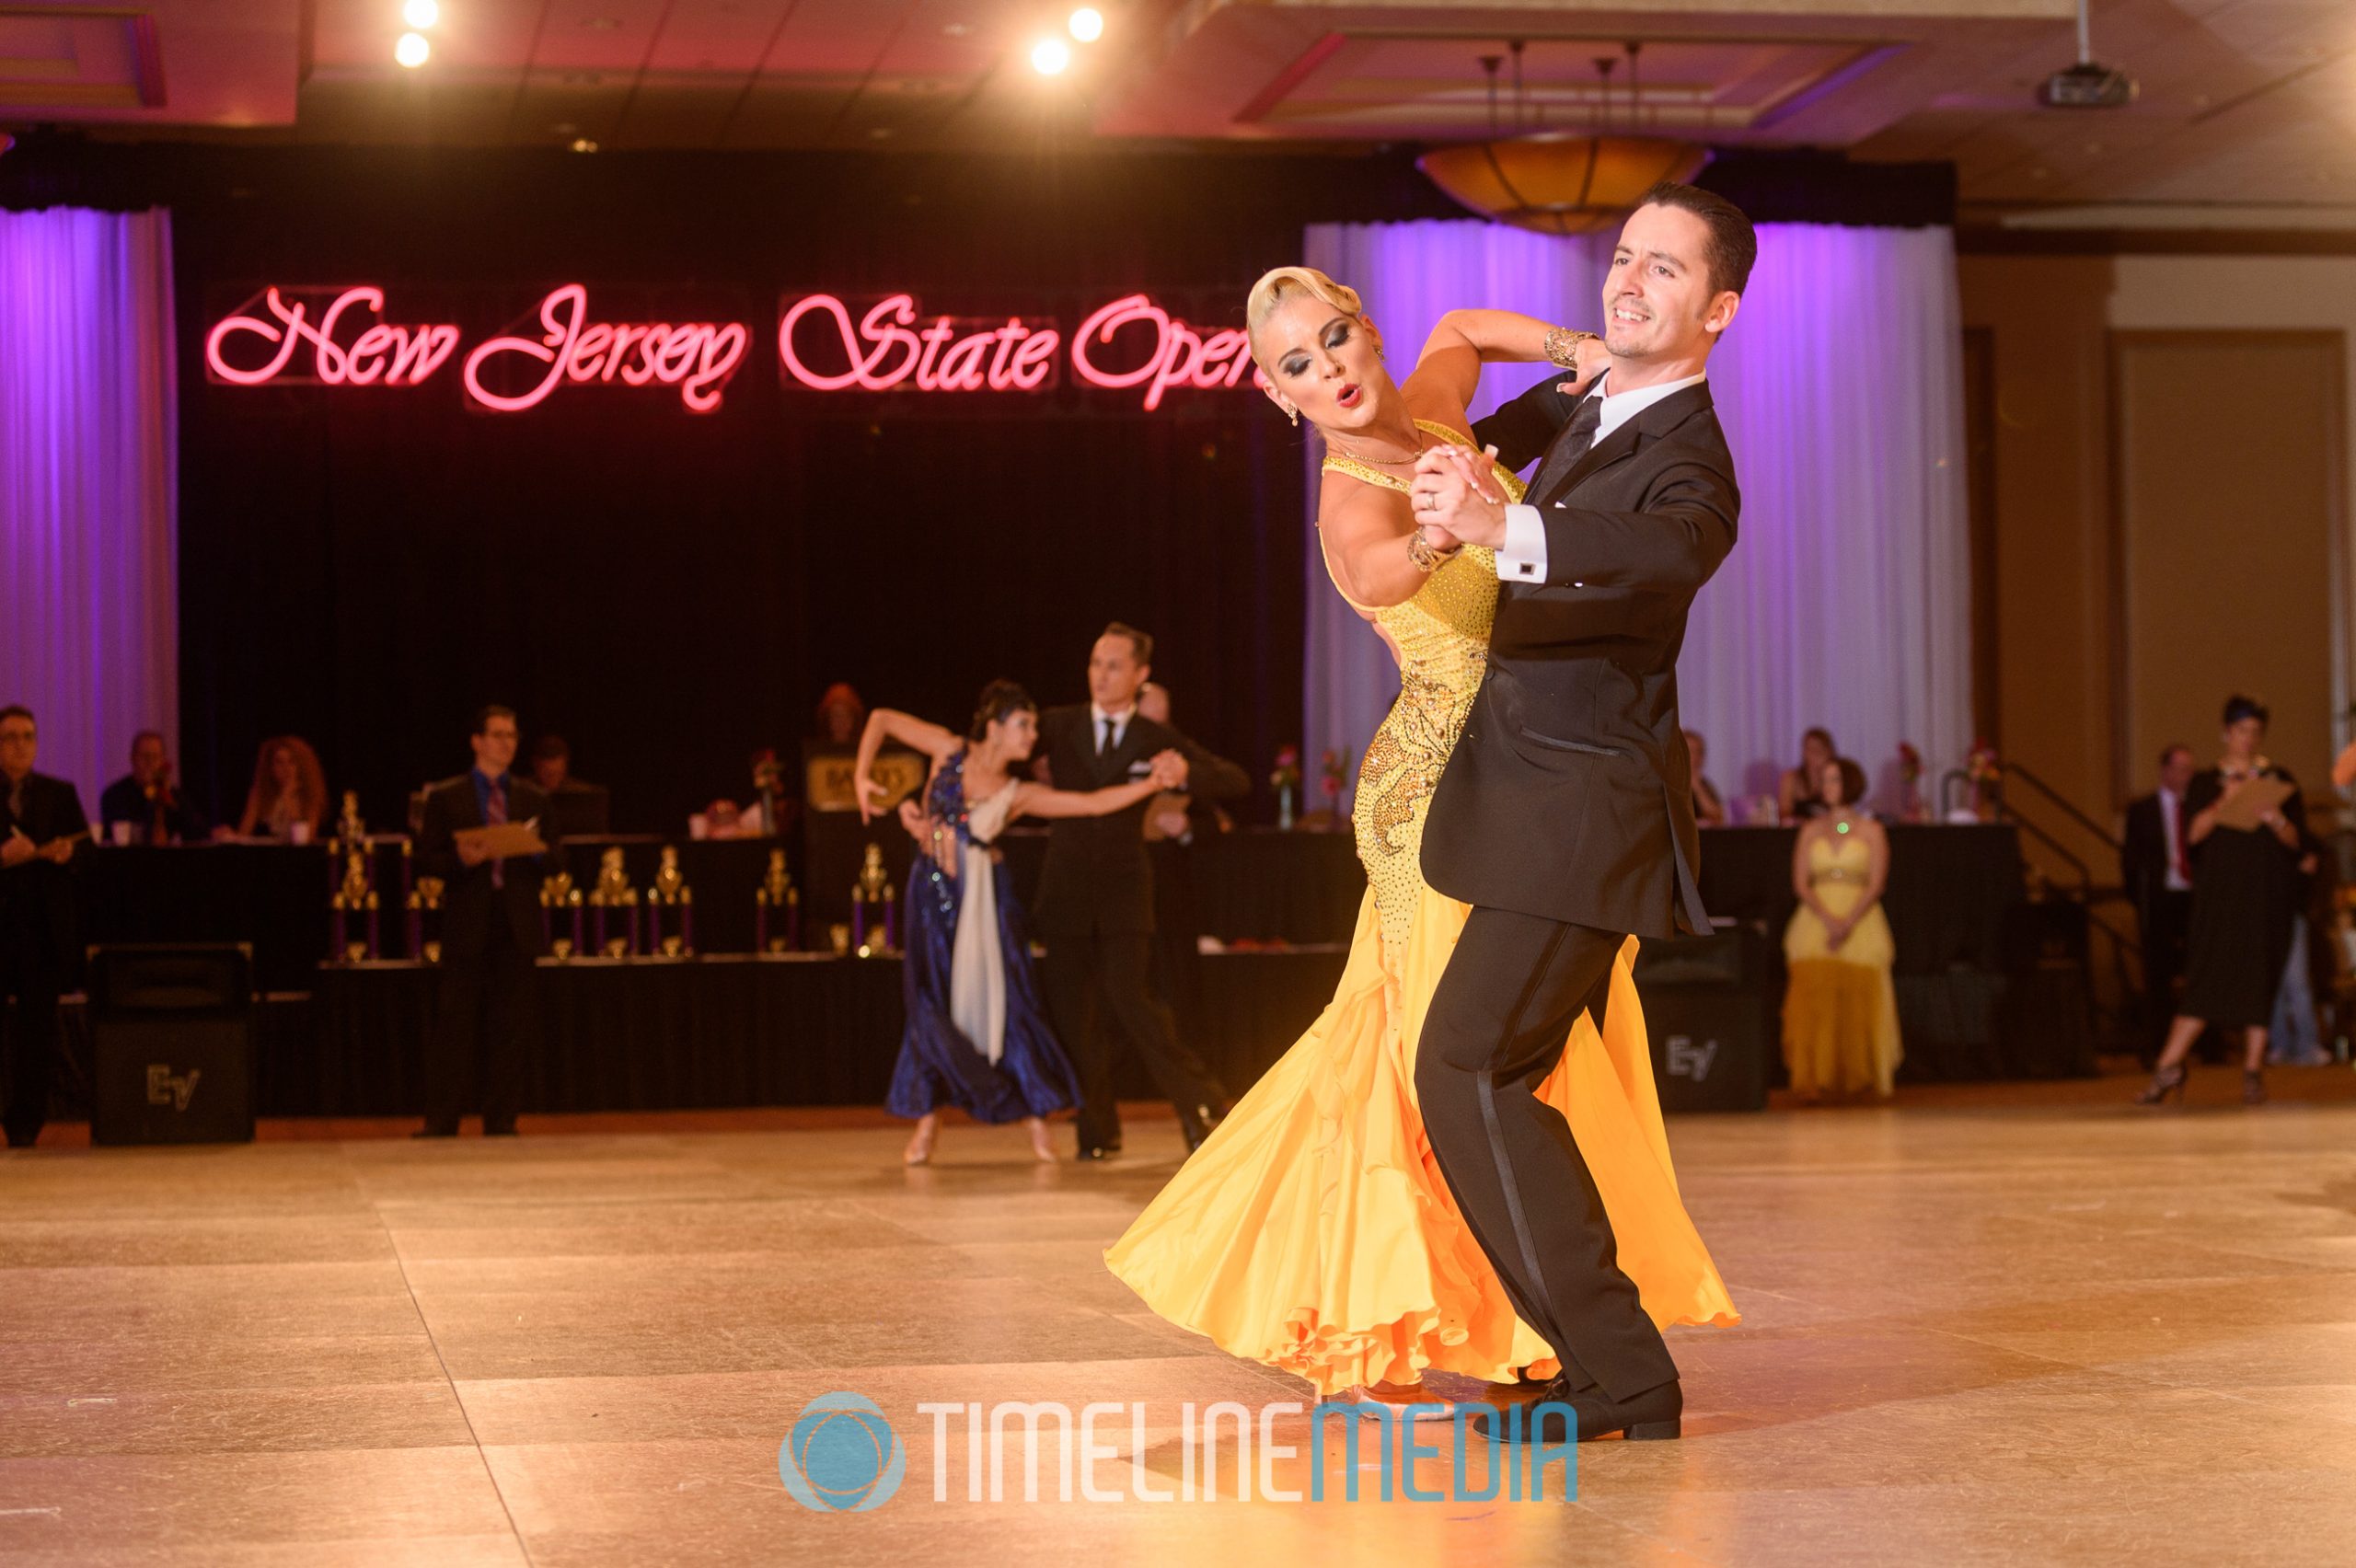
1563	346
1427	560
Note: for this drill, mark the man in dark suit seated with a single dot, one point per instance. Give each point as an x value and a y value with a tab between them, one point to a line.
41	823
2156	865
490	931
1094	908
157	808
576	809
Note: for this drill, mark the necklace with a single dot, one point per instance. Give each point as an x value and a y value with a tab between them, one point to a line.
1379	461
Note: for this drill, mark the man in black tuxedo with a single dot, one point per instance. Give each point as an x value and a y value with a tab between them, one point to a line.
2155	864
1094	906
491	932
1565	814
41	824
148	798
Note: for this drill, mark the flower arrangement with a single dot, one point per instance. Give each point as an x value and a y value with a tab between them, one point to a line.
1286	780
1288	772
1986	774
1335	769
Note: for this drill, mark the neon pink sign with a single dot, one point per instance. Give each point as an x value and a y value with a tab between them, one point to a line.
1130	343
505	374
399	356
696	357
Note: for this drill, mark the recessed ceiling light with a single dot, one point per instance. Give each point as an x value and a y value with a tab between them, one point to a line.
1087	23
879	134
956	29
412	50
583	144
1050	56
421	14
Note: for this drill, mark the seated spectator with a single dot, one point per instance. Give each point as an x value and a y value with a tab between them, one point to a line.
289	788
1801	795
577	809
1841	1010
1709	808
158	811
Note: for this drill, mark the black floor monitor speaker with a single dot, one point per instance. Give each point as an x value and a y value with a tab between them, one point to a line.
1711	1018
171	1044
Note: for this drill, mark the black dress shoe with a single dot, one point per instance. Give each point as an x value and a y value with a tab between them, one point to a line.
433	1132
1196	1124
1653	1415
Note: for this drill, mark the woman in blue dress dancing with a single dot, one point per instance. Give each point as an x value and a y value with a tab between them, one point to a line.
978	1036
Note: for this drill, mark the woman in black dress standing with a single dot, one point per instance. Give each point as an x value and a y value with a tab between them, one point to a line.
2245	894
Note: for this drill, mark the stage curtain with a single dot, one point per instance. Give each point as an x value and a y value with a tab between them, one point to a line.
1847	600
88	484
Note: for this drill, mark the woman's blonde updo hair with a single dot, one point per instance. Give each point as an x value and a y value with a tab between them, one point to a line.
1275	287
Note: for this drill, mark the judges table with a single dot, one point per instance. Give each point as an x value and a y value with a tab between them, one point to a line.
730	1027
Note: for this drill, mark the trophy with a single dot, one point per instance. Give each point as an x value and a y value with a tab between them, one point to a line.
613	892
670	892
351	833
350	897
557	893
873	912
426	895
776	892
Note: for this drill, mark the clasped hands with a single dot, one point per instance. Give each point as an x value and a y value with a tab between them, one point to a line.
1453	499
16	849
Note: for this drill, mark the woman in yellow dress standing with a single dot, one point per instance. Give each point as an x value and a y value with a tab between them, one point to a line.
1840	1011
1313	1231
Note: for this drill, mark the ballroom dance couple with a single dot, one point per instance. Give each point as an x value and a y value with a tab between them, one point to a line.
1463	1164
977	1035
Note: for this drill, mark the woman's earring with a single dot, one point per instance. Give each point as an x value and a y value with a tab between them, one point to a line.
1294	415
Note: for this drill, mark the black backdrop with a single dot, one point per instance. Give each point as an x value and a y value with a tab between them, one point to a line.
671	591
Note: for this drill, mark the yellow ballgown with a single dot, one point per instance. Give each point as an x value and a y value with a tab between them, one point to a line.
1312	1231
1840	1011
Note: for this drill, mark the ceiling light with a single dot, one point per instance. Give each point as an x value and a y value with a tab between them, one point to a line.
1050	56
412	50
1087	23
421	14
583	144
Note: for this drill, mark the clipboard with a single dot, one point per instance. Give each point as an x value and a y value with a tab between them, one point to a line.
505	841
2257	799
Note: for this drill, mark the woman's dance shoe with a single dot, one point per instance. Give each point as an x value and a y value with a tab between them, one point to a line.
2164	1082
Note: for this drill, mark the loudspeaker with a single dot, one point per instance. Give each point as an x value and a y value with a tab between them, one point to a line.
1710	1014
171	1044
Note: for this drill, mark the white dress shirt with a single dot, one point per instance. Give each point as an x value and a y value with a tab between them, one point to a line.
1096	717
1522	557
2172	830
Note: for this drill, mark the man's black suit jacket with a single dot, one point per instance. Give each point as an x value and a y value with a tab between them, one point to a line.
2144	855
469	902
1569	795
37	898
1096	878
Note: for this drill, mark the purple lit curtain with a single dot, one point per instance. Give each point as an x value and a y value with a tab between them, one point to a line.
1847	600
89	503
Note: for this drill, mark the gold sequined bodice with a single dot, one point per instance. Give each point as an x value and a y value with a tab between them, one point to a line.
1442	636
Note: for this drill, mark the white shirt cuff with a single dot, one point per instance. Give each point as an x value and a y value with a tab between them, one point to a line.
1522	557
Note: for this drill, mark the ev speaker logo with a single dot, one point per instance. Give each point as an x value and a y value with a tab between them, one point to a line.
842	1456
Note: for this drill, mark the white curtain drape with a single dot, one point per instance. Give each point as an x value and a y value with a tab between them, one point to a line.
1847	600
90	625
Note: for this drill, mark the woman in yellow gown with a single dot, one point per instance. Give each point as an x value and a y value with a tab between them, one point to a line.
1841	1010
1312	1231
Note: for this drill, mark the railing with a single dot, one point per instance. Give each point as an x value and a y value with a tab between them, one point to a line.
2089	893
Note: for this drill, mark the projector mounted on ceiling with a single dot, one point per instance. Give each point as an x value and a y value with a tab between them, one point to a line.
2086	85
